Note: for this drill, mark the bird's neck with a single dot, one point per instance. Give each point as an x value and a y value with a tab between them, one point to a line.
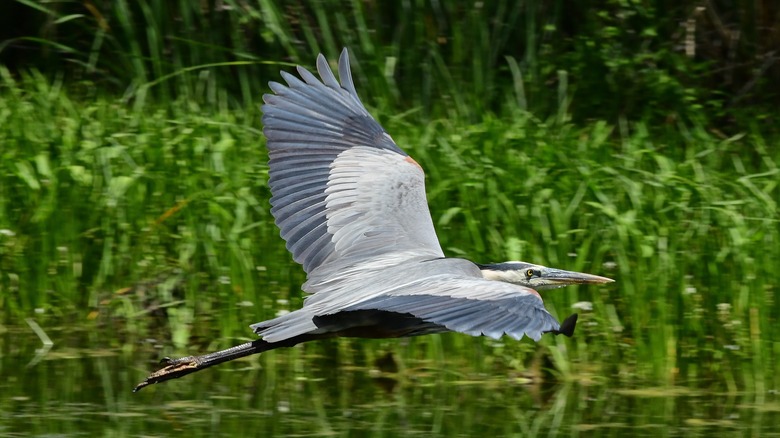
502	272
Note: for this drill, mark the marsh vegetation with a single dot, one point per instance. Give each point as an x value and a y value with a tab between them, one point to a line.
134	203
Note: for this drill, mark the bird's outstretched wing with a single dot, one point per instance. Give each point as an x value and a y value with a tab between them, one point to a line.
441	295
473	306
440	303
341	188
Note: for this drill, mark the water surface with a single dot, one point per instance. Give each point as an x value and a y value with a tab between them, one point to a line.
76	389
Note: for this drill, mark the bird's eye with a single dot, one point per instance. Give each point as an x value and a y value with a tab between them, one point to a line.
530	273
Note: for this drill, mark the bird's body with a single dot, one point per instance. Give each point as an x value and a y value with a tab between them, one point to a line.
351	206
444	294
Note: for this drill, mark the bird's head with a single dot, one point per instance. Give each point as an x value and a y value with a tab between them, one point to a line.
537	277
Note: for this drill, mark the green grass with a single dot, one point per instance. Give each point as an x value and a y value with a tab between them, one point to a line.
606	59
151	220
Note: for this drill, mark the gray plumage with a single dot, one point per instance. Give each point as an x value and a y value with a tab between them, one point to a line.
351	206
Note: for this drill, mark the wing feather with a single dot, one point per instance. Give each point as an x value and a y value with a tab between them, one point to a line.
450	293
342	190
351	206
516	316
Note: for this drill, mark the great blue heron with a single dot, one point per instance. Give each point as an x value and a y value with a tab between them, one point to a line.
351	205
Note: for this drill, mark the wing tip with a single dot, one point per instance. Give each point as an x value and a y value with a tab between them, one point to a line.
345	74
567	326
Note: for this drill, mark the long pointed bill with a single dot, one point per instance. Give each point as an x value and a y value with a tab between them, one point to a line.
557	277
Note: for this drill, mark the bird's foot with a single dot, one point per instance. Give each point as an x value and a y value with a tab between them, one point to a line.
173	369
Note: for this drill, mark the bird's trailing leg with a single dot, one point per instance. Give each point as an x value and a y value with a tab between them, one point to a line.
175	368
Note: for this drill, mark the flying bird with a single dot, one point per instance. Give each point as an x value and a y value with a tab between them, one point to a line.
351	205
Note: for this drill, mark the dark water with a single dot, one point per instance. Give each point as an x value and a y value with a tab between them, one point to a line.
78	390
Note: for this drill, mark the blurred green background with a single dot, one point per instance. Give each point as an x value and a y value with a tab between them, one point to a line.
632	139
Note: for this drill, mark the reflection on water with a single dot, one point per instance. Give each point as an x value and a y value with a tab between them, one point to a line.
305	392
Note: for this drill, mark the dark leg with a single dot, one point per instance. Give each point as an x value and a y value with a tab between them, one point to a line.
175	368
